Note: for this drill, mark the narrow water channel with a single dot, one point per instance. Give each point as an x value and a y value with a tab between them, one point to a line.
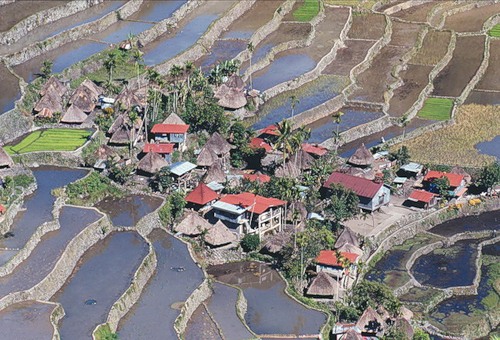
175	278
45	255
102	275
38	206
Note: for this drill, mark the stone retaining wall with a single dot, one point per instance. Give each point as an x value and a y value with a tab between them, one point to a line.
69	159
467	7
200	294
405	5
133	293
14	208
6	2
57	314
318	112
43	18
13	124
149	222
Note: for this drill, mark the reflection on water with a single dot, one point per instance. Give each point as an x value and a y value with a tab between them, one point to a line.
222	50
485	221
127	211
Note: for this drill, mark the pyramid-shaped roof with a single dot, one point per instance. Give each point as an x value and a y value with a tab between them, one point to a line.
201	195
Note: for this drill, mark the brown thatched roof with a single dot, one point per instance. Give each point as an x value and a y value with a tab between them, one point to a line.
105	152
51	101
74	115
384	314
45	113
270	158
367	173
117	124
192	224
349	248
323	285
96	90
405	326
277	242
128	99
219	235
84	98
347	236
5	160
218	144
289	170
352	334
206	157
121	136
370	321
221	91
152	163
215	173
53	85
173	119
235	82
233	99
303	160
362	157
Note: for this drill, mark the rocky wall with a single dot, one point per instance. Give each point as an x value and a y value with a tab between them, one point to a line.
200	294
6	2
13	124
43	18
57	314
57	158
133	293
14	208
467	7
149	222
318	112
405	5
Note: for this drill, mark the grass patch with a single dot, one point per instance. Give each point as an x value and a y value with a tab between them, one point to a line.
495	31
50	140
307	11
91	189
436	109
103	332
454	144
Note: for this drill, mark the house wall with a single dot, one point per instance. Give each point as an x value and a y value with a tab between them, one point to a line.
376	202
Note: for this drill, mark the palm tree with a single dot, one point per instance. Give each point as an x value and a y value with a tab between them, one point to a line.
138	59
293	102
110	64
250	48
188	68
176	72
46	69
404	121
337	119
285	141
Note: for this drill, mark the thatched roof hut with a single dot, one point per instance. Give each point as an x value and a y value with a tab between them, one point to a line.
352	334
276	242
50	101
117	124
235	82
105	152
289	170
215	173
121	136
370	322
45	113
218	144
96	90
271	158
347	236
323	285
84	98
5	160
151	163
174	119
74	115
233	99
192	224
303	160
207	157
350	248
128	99
405	326
219	235
53	85
362	157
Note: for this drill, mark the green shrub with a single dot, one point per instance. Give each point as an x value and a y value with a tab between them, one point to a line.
250	242
91	189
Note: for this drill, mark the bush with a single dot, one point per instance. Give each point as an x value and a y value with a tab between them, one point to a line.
250	242
91	189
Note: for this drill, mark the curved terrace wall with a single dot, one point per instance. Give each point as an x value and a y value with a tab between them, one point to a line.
200	294
14	208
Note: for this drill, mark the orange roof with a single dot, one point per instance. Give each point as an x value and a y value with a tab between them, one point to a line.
202	195
421	196
2	209
259	143
158	148
314	149
270	130
454	179
170	128
257	177
328	257
257	204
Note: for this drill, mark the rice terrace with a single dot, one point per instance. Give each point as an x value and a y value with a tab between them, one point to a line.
250	169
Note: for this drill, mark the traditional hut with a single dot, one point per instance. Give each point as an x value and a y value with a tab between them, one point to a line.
192	224
215	173
347	237
151	163
405	327
207	157
96	90
53	85
290	170
5	160
219	235
276	242
370	322
84	98
350	248
219	145
233	99
45	113
323	286
362	157
128	99
235	82
74	115
51	102
174	119
303	160
352	334
122	136
201	196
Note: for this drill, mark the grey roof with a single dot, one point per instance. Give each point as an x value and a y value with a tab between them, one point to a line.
412	167
230	208
215	186
181	168
400	180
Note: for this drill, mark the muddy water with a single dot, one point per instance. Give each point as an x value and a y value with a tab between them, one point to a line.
448	266
490	148
222	50
9	89
154	10
485	221
127	211
270	310
38	206
28	320
282	69
14	12
45	255
154	315
103	274
201	326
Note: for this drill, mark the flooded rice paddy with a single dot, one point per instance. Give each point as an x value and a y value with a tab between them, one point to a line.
38	206
29	320
473	223
127	211
9	89
154	314
17	11
490	148
43	258
103	274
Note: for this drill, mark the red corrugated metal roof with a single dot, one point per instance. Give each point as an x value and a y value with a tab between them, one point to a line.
328	257
259	203
361	186
202	195
270	130
170	128
2	209
421	196
158	148
314	149
257	143
257	177
454	179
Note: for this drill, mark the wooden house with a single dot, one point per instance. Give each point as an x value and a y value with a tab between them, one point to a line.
151	164
457	182
219	235
192	224
362	157
422	199
323	286
182	172
370	323
165	150
171	133
74	115
328	262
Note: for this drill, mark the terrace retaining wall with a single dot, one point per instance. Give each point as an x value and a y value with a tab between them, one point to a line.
43	18
14	208
13	124
200	294
405	5
59	158
57	314
466	7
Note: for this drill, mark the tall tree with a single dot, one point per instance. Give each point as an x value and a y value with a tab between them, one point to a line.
337	119
46	69
293	103
284	140
110	64
489	176
250	48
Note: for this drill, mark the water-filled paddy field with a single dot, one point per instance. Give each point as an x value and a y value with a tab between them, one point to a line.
127	211
29	320
490	148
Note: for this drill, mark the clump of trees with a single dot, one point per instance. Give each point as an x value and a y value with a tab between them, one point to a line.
173	208
489	176
91	189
